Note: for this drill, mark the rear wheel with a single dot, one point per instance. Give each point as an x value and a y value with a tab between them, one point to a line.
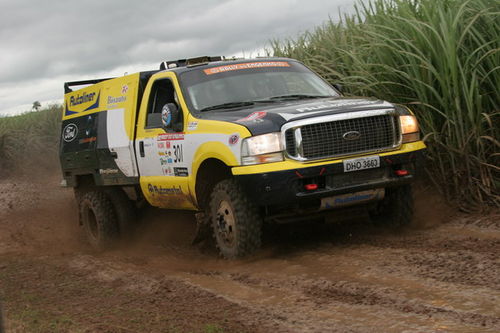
235	220
126	212
98	219
396	209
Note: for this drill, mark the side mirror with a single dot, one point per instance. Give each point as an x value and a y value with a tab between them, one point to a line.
170	116
338	86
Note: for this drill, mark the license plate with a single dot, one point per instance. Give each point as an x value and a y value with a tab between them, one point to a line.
361	163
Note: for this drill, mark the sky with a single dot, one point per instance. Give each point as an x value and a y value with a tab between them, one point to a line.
46	43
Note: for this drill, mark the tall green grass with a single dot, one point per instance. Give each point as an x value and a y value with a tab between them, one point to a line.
441	58
30	142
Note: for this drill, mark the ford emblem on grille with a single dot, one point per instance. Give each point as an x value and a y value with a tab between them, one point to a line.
351	135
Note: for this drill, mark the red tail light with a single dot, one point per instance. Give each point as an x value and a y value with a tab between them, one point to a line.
311	187
401	172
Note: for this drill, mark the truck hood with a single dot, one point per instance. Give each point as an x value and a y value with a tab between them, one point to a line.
261	119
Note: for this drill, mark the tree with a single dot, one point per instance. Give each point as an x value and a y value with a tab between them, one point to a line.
36	106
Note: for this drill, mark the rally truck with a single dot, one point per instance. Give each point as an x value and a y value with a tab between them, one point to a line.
240	142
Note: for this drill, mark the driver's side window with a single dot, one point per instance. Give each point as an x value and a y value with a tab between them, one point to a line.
162	93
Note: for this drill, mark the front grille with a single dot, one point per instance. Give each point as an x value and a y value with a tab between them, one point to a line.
290	143
323	140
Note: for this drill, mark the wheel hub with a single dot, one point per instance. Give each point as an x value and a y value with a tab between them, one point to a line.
226	223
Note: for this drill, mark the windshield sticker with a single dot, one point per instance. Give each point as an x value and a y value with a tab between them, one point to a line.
255	117
248	65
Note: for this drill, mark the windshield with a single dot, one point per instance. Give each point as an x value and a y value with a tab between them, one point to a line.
244	84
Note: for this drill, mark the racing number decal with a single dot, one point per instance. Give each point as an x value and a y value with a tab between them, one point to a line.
178	156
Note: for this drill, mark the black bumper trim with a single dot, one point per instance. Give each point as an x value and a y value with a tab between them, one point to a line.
287	187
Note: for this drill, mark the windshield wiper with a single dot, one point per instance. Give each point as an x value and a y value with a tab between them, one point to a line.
229	105
297	96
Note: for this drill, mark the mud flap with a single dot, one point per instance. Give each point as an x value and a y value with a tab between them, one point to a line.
203	228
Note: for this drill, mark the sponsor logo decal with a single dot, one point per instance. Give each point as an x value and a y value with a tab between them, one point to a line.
116	100
351	198
124	89
159	190
164	145
181	172
253	117
80	99
233	139
70	132
248	65
166	157
108	171
170	136
335	105
87	140
167	171
192	125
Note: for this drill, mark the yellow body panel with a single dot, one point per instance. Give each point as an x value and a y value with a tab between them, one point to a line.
154	189
208	145
117	93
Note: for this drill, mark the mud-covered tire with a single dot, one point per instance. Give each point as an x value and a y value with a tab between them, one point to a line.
396	209
235	220
98	219
126	212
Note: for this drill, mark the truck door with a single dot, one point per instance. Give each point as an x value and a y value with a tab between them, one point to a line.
161	160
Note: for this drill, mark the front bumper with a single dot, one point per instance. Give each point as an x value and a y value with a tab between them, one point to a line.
287	187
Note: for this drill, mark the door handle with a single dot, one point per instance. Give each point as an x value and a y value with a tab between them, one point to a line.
141	148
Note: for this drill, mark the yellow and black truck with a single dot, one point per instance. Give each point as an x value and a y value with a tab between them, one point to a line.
240	142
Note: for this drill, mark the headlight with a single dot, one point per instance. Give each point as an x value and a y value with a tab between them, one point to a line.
409	128
264	148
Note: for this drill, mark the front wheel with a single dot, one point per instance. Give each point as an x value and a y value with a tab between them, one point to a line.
396	209
235	220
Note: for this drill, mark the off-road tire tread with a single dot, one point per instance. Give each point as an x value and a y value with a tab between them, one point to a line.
105	216
249	222
396	208
125	212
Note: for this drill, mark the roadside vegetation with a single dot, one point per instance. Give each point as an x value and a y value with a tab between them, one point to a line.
30	142
440	58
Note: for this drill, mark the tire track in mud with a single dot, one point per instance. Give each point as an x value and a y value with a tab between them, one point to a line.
449	255
445	265
355	294
345	277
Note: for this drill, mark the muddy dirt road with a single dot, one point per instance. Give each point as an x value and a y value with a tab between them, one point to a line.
442	275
